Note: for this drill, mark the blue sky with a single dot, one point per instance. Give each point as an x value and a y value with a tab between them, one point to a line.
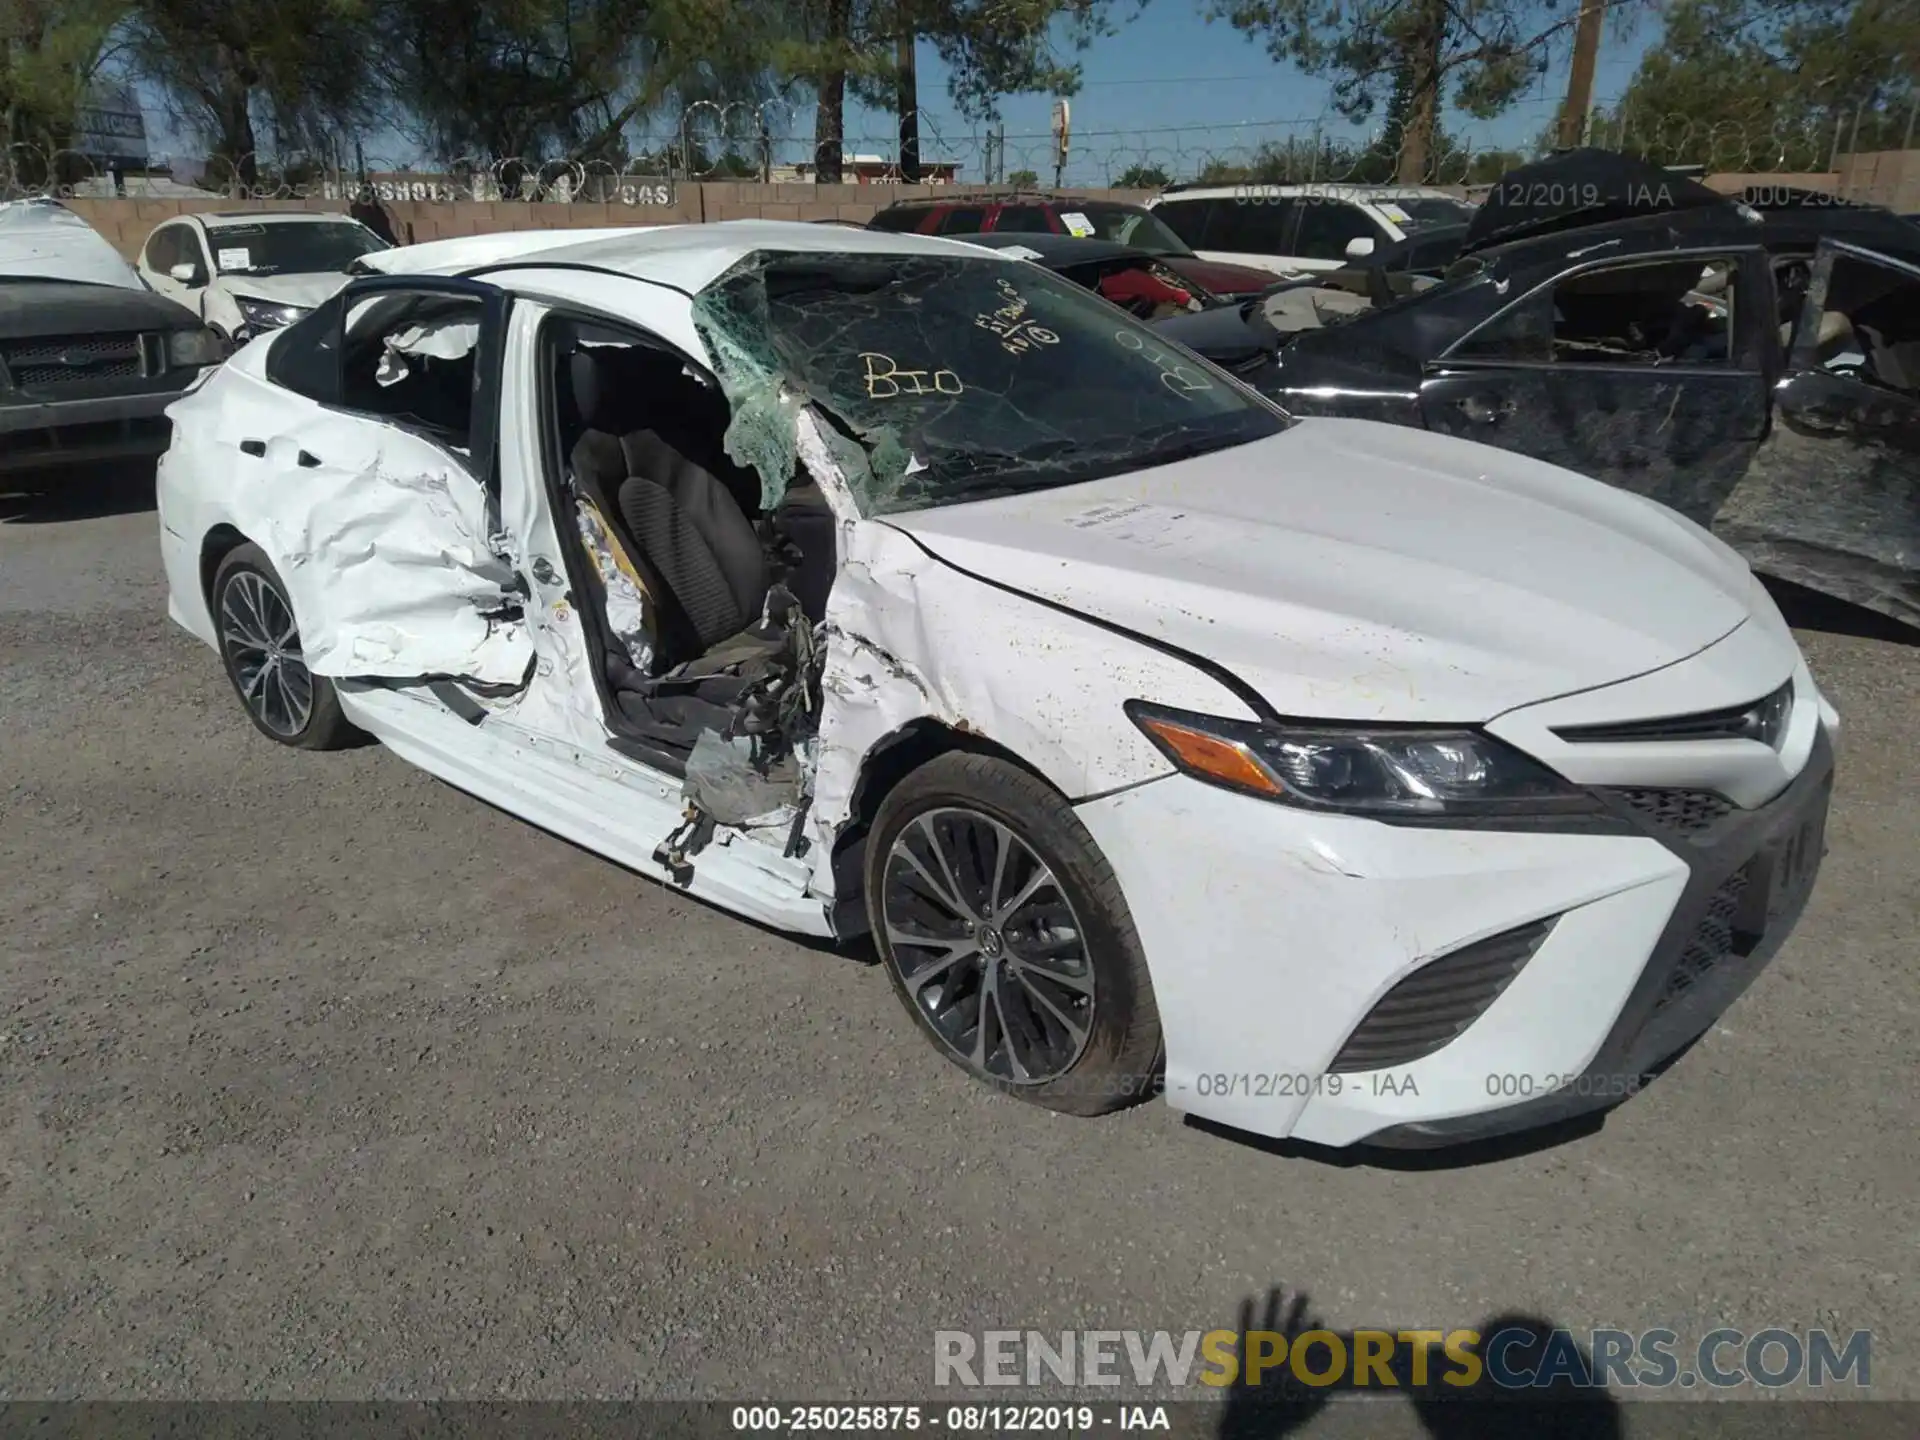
1168	88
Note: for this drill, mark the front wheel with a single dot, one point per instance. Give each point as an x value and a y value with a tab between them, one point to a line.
1006	936
260	647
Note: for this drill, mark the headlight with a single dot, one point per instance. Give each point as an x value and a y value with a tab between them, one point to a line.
1392	773
193	348
265	315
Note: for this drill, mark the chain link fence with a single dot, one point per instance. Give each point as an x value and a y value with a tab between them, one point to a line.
774	142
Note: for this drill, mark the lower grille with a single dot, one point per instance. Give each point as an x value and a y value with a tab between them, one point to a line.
1688	814
1433	1005
46	362
1712	942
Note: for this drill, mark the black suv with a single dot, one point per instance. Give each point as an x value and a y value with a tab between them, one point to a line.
90	358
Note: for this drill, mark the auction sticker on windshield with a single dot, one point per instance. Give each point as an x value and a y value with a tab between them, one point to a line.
1077	224
235	259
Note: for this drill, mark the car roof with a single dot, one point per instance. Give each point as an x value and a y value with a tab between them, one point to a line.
1792	228
1009	197
685	257
215	219
1057	249
1359	194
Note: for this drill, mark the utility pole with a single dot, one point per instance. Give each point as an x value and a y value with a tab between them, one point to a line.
1586	52
909	98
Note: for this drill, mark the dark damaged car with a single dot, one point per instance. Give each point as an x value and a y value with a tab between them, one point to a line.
90	358
1757	370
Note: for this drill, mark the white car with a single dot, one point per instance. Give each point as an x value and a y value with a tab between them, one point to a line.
1297	229
244	272
1338	780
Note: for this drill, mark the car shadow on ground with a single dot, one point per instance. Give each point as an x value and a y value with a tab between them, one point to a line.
86	494
1526	1377
1462	1156
1806	609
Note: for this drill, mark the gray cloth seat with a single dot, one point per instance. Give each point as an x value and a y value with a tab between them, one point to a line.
687	532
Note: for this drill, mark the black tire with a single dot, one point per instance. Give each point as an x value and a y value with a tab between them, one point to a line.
955	801
245	590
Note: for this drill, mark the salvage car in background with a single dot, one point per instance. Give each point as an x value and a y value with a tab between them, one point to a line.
1037	213
1761	383
1290	228
89	357
1136	281
868	582
249	271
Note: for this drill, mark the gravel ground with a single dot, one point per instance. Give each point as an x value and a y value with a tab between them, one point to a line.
321	1079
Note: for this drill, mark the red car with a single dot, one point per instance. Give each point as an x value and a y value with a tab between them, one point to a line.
1041	214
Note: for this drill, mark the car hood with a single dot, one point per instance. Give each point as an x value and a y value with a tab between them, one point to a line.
47	241
1228	335
31	308
1360	571
305	291
1220	277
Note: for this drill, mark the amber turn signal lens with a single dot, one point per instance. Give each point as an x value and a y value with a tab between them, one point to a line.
1223	760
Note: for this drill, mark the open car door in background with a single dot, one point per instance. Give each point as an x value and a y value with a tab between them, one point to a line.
381	503
1648	372
1832	499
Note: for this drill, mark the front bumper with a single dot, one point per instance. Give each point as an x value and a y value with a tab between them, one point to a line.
50	434
1272	933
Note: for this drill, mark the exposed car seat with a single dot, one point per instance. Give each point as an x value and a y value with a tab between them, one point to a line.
692	533
642	440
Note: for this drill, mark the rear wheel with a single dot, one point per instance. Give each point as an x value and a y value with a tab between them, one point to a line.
1006	936
260	646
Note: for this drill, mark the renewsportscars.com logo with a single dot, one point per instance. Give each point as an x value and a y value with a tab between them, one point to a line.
1513	1358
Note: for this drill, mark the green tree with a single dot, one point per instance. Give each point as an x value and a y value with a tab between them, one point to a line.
1023	179
235	71
1771	84
1479	55
1142	177
563	81
50	50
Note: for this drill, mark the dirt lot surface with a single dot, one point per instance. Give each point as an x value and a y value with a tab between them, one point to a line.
321	1079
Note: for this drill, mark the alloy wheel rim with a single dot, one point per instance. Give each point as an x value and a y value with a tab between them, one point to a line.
263	646
988	946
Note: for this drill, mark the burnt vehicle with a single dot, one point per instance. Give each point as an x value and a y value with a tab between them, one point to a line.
90	357
1761	379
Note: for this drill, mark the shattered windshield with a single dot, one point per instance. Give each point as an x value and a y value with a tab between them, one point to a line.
297	248
961	379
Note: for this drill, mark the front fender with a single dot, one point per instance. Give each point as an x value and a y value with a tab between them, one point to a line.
910	638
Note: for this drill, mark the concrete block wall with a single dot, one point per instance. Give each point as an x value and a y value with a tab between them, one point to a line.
127	223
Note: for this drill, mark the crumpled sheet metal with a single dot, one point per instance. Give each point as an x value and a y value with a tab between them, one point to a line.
1312	308
1838	516
909	638
386	561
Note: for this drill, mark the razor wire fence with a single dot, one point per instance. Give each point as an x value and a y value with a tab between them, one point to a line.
775	142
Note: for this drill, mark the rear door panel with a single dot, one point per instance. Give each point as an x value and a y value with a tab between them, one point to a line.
387	540
1682	433
1832	498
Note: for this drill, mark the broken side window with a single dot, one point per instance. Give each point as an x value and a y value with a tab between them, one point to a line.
410	357
1870	325
1649	312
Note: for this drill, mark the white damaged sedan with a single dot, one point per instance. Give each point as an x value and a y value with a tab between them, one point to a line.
1339	781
